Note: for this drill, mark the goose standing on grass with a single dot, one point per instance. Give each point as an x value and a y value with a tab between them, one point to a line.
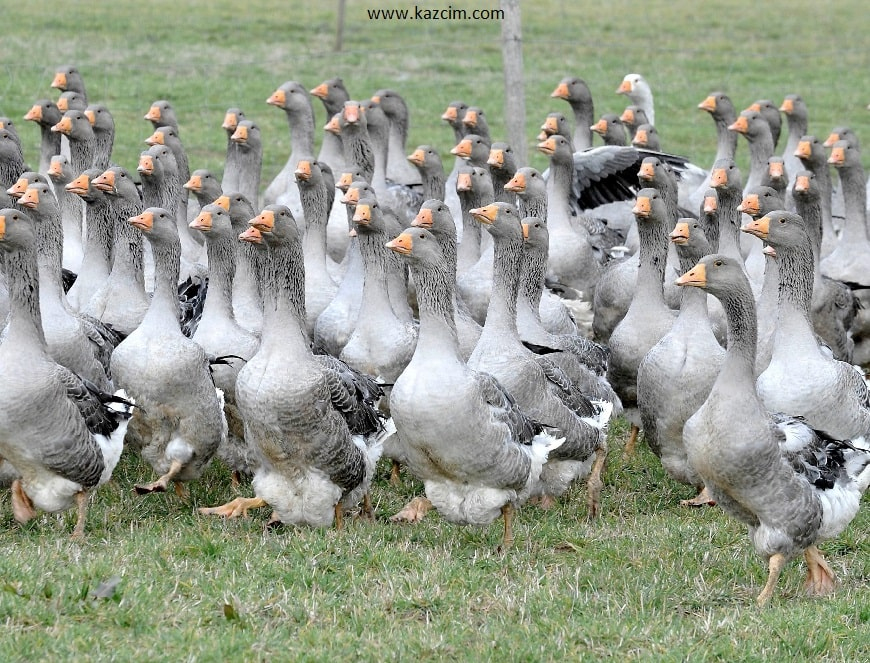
62	435
834	305
60	173
232	170
46	114
396	110
541	388
648	318
575	91
675	377
294	100
180	422
802	380
790	490
121	301
250	159
489	458
311	422
71	339
220	335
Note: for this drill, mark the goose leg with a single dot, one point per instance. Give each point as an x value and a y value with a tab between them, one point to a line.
704	498
235	508
594	484
22	507
820	578
160	485
235	479
413	511
631	445
339	516
507	514
368	510
395	479
775	565
82	504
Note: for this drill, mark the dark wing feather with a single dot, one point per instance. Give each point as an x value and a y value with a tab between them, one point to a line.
567	393
354	395
522	427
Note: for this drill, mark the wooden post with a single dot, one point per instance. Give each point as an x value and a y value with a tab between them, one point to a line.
339	33
512	59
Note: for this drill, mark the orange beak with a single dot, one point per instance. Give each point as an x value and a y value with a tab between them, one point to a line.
92	117
264	221
548	147
230	122
401	244
194	183
59	81
470	119
627	116
709	104
240	135
351	196
749	205
252	236
802	183
758	227
351	113
680	233
376	98
64	126
450	114
223	201
600	127
333	125
775	169
625	87
202	222
153	114
278	98
2	226
55	169
363	214
462	149
787	106
525	231
517	183
105	181
697	277
755	107
143	222
155	139
718	177
711	204
561	91
640	138
485	215
833	138
417	157
496	158
146	164
344	183
804	150
321	91
303	170
838	156
549	127
741	125
63	104
17	190
79	185
647	172
34	114
423	219
642	207
463	182
30	199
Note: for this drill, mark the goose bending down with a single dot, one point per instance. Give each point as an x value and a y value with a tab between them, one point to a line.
489	459
180	423
311	423
293	99
675	377
540	387
790	490
62	435
801	379
218	333
121	301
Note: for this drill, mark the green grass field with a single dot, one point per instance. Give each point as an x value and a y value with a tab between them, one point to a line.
648	580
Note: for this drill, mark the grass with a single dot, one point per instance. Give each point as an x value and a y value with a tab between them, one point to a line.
648	580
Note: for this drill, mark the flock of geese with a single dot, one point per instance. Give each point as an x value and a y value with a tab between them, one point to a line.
426	316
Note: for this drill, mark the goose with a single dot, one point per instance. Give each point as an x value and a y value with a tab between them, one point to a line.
11	159
77	128
814	157
635	87
776	176
833	305
359	151
103	125
474	256
453	116
320	288
204	186
633	117
539	386
72	340
316	435
161	114
648	318
46	114
675	377
611	129
180	422
396	110
230	179
490	463
475	123
71	100
333	94
802	380
62	435
69	79
218	333
721	109
99	239
797	118
435	216
250	159
168	136
790	490
647	137
770	113
60	173
293	99
502	167
575	91
383	340
121	301
428	162
247	294
7	124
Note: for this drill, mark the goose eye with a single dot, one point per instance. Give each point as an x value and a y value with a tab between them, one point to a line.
718	263
782	220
